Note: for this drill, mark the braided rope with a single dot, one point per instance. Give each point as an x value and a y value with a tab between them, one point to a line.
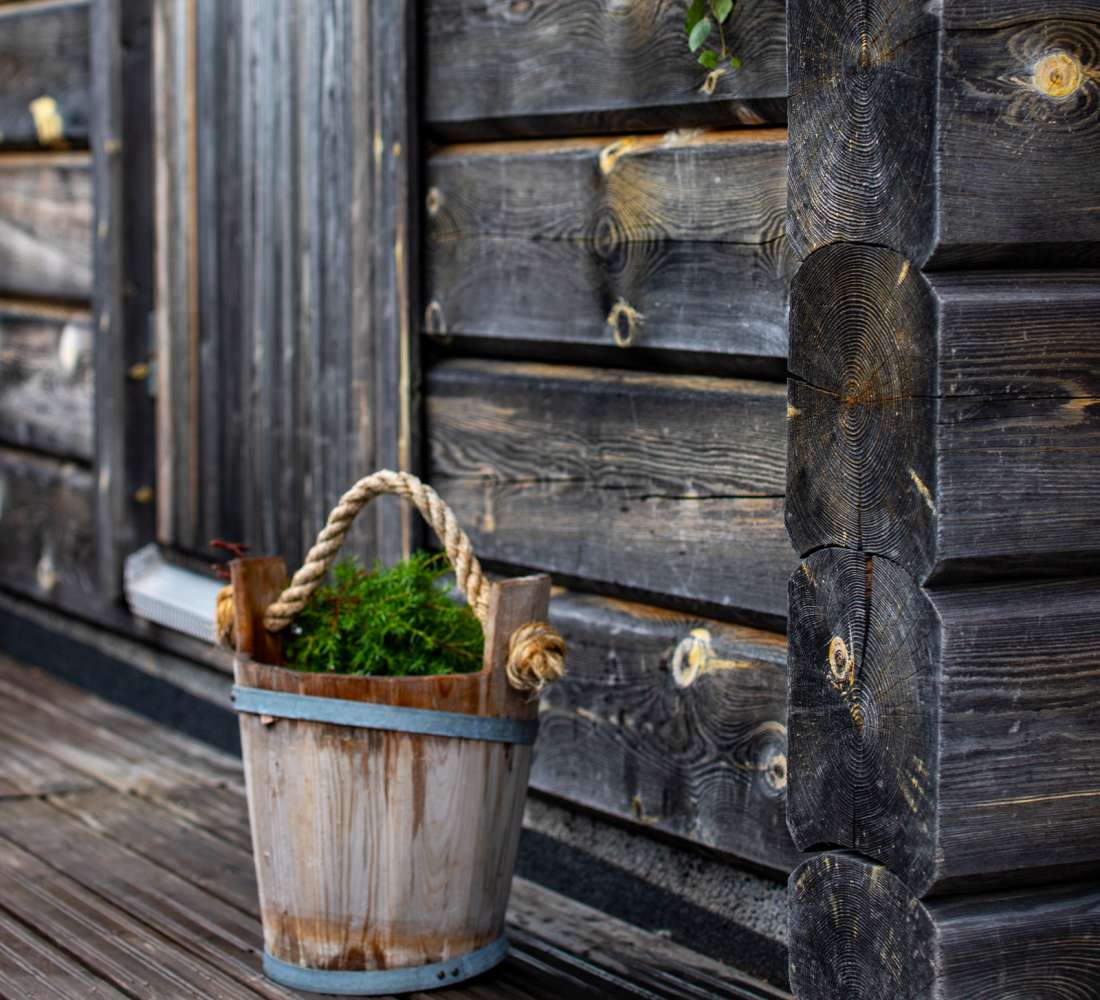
439	516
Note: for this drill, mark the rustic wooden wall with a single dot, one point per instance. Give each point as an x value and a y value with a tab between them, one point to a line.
75	296
605	315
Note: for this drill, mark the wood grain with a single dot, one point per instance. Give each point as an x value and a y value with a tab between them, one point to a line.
420	832
949	733
858	932
670	723
671	243
671	485
46	379
266	234
46	226
954	134
947	422
47	511
575	66
45	76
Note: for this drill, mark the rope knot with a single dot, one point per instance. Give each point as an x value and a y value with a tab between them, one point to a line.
536	657
225	622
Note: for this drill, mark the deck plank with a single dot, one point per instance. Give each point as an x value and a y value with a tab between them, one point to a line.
33	969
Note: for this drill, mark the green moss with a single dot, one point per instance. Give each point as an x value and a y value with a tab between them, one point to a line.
397	622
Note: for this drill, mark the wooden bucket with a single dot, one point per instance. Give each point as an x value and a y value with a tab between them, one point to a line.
385	811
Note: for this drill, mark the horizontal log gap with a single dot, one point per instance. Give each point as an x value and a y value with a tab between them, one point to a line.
45	309
21	160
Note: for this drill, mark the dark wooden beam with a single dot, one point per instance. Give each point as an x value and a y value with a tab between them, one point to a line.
46	77
857	932
627	244
46	226
669	485
47	523
577	66
946	421
954	133
950	734
46	389
670	723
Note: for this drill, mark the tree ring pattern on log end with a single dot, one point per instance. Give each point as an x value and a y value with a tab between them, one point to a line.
862	711
856	932
861	121
861	470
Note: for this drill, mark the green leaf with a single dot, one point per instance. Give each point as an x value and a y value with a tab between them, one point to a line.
695	13
699	34
722	9
735	63
709	59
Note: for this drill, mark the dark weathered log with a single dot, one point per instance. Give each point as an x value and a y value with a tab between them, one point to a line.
44	75
953	133
857	932
46	379
669	485
46	226
285	266
948	422
951	734
673	243
47	529
671	723
553	67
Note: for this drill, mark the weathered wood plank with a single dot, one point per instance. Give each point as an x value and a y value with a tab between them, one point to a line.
669	485
31	968
282	258
47	524
952	133
546	68
46	379
672	242
950	734
113	910
46	226
672	723
858	932
953	426
45	76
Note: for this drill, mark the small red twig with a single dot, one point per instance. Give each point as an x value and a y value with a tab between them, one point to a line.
236	549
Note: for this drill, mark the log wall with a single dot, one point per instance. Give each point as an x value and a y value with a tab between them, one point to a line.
74	296
942	681
605	331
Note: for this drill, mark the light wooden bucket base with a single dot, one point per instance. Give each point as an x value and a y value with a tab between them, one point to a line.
379	982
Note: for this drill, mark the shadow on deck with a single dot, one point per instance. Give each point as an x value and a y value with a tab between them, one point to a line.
126	872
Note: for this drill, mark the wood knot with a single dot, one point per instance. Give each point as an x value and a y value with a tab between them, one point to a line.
434	201
624	321
536	657
842	669
435	323
690	657
1058	74
775	771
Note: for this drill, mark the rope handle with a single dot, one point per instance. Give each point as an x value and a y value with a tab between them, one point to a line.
439	516
536	652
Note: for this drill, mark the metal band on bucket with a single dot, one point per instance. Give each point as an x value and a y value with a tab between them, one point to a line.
376	982
366	715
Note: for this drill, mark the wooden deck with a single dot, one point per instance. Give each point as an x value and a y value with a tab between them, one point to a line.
126	872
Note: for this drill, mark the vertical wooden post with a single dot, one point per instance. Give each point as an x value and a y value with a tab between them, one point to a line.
121	86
